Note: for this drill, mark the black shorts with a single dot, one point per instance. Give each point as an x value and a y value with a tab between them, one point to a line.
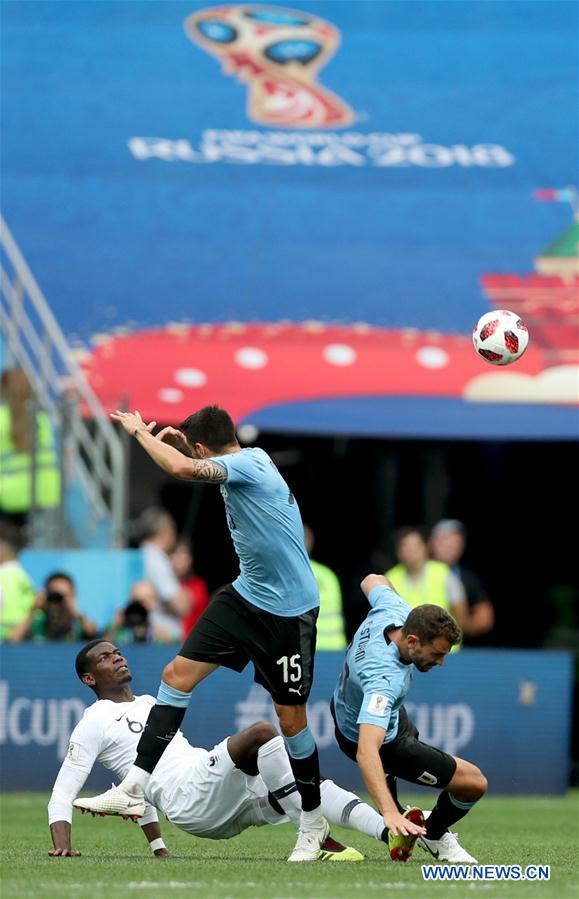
232	632
406	756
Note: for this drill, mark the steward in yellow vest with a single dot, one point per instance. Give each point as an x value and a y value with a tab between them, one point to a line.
17	593
331	631
431	585
330	623
16	460
421	580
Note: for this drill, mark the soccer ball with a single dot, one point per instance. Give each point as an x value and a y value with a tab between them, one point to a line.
500	337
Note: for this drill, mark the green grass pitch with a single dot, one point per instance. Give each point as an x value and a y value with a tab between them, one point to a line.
116	860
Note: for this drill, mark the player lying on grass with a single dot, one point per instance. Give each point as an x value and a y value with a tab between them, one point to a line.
246	780
373	728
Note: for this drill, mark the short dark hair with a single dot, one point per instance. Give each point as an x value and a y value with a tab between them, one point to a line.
82	662
12	535
59	574
400	534
211	426
428	622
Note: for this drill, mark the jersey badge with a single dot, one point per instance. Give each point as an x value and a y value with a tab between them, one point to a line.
73	752
378	704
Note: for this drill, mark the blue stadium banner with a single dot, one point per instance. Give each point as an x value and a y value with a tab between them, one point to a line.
508	711
311	252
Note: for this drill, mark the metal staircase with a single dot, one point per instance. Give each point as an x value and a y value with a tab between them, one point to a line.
93	505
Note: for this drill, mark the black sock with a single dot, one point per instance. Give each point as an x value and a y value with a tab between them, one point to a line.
162	725
307	774
393	787
445	813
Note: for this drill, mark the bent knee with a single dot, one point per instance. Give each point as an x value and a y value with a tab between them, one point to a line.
289	726
481	784
169	674
475	787
469	783
179	680
292	719
262	732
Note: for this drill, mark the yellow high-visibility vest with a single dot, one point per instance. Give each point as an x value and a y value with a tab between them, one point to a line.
431	587
16	596
330	625
16	468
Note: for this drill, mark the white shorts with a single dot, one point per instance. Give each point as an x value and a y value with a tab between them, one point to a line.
217	801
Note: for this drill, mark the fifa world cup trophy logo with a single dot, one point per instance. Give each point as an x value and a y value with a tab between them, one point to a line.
277	53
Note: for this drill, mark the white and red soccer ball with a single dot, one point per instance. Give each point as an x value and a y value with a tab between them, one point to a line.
500	337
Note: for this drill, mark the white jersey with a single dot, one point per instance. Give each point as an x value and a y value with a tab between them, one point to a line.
199	791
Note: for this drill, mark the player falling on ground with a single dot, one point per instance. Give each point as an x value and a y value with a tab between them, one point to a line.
267	616
372	726
246	780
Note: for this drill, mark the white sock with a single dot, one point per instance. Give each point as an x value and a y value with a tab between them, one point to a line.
312	820
274	766
345	809
135	777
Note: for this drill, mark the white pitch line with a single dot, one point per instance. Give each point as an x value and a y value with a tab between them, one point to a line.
249	884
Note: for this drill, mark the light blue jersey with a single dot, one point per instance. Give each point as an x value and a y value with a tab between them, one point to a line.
374	680
268	535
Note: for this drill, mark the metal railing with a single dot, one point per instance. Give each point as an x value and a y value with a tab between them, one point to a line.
92	453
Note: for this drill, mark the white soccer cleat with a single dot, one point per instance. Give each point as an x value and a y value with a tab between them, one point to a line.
309	843
116	801
447	849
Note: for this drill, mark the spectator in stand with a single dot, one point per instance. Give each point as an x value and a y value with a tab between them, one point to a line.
182	560
132	623
16	589
159	536
331	627
55	615
448	543
21	449
420	580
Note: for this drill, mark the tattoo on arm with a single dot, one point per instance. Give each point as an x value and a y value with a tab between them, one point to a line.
211	472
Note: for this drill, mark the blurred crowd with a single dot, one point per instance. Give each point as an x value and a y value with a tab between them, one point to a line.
424	566
166	603
161	608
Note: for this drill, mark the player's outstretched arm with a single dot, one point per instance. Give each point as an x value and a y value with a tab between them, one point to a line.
152	832
60	831
83	749
374	580
163	450
370	740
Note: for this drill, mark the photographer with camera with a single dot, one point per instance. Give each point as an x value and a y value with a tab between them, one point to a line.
55	615
136	622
